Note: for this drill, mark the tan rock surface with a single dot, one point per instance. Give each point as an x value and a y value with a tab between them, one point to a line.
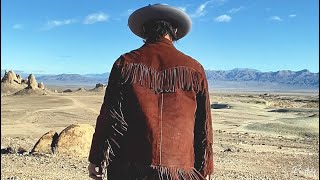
46	143
10	83
9	77
32	82
75	140
41	85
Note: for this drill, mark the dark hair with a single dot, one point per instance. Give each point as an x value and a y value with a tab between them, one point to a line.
154	29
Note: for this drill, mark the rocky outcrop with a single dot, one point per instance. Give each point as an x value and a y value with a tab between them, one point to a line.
99	88
11	83
33	88
32	82
81	89
10	77
99	85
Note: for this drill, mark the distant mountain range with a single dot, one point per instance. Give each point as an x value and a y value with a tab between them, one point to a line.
236	78
303	78
74	78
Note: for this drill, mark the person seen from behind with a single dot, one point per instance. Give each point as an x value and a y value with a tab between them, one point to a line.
155	122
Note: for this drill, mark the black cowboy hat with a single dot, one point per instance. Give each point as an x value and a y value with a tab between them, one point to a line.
178	18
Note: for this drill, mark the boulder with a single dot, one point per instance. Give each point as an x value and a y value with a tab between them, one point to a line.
75	140
46	144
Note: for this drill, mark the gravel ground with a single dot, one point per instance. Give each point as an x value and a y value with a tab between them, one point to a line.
237	156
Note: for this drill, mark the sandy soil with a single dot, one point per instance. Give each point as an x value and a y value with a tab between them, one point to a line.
271	136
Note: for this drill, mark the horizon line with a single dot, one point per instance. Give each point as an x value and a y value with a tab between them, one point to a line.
45	73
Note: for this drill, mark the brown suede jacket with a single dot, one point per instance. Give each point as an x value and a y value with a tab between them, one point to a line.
155	121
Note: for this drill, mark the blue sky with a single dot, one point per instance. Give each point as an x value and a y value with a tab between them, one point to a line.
87	36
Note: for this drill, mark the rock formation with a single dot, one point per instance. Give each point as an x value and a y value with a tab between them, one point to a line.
99	85
32	82
10	77
11	83
81	89
33	88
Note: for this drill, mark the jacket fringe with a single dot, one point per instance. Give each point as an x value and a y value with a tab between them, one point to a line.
136	171
208	160
168	80
155	172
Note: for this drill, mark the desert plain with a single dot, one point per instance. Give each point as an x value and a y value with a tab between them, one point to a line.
257	135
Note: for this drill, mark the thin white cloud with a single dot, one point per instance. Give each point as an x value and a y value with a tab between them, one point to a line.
56	23
201	10
96	17
292	15
223	18
235	10
275	18
17	26
183	8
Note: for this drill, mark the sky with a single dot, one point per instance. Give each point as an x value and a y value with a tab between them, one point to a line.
87	36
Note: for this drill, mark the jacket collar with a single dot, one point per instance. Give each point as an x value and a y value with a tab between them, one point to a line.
162	40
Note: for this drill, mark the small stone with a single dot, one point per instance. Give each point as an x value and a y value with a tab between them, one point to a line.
21	150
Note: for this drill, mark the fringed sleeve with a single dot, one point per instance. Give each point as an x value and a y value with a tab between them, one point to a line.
203	136
103	123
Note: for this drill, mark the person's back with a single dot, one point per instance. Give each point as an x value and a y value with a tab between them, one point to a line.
155	118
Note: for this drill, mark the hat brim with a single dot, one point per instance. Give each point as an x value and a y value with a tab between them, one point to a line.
177	17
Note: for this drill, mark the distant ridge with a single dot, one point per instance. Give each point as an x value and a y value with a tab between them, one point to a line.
236	78
303	78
